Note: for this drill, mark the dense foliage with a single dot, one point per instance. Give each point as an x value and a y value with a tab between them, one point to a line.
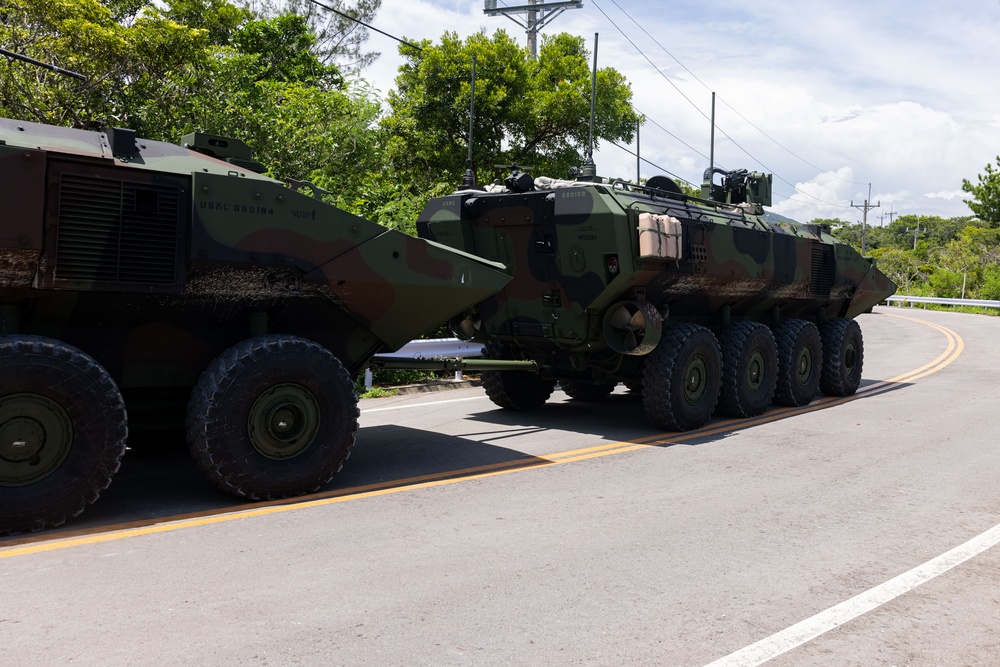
528	112
985	201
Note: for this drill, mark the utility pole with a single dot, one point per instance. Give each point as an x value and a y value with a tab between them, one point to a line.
537	14
864	223
638	160
916	232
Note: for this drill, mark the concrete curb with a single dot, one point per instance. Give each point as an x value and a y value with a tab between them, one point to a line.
431	386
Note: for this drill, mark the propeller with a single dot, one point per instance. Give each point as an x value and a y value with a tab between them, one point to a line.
632	327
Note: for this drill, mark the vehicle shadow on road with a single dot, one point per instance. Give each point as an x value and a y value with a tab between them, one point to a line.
159	481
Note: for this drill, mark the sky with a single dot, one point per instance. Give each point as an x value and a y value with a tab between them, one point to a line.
830	97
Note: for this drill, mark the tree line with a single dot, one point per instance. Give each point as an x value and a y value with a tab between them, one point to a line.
289	83
287	78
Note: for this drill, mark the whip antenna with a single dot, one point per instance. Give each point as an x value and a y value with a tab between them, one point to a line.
589	170
469	180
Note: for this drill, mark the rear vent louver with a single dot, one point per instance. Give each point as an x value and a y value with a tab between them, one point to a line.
821	278
117	232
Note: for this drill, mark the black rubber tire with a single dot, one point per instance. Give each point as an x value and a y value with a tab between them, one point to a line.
513	390
749	369
62	405
249	394
586	391
681	378
843	357
800	362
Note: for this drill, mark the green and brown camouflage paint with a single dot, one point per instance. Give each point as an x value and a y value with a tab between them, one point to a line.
573	249
154	258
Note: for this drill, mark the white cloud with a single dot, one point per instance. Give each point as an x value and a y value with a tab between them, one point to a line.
830	97
946	194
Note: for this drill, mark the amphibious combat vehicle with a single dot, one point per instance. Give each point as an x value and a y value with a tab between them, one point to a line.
135	273
700	303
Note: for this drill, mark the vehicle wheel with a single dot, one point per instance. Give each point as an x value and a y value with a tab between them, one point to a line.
513	390
63	427
843	357
681	378
749	369
585	391
272	417
800	359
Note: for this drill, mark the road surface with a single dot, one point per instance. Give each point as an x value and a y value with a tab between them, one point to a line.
852	532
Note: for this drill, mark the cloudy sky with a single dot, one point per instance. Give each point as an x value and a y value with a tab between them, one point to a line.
828	96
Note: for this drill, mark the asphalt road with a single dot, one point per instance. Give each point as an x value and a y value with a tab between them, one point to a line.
854	532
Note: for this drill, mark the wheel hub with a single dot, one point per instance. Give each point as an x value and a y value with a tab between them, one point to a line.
755	370
36	435
284	421
803	365
21	438
695	380
850	358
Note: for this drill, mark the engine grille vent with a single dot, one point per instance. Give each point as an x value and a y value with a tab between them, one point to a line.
821	278
114	231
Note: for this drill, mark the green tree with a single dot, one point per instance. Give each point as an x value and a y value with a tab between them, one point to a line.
254	78
902	266
985	202
219	18
271	91
129	66
281	49
527	112
340	37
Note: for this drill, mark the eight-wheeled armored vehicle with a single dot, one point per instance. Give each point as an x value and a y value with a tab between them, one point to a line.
702	304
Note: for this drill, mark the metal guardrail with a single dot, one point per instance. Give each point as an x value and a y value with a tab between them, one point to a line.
978	303
430	348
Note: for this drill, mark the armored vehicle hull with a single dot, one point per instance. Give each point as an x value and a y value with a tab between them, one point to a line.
135	273
700	304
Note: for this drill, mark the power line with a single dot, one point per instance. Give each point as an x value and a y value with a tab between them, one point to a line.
370	27
695	106
650	120
731	107
653	164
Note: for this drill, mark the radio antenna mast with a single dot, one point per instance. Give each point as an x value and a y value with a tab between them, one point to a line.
469	180
589	170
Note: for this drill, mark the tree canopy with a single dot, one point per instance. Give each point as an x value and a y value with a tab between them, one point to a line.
527	112
985	201
172	67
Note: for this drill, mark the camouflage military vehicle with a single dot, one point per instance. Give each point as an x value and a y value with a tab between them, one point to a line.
700	303
134	272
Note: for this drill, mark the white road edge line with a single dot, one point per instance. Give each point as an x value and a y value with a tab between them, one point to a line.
835	616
